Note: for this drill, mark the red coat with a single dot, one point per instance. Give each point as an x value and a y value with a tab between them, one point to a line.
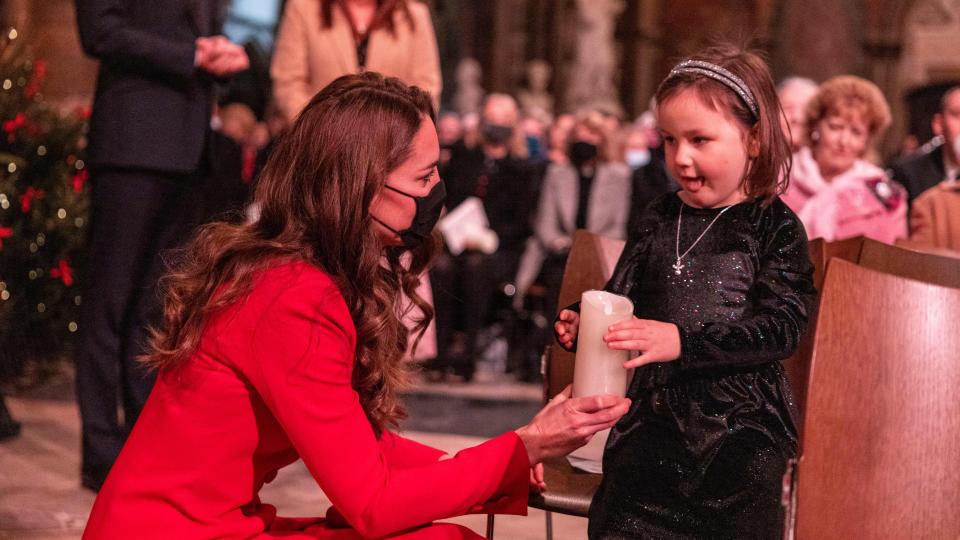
270	383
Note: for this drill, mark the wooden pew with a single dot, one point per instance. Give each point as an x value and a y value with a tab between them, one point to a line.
880	447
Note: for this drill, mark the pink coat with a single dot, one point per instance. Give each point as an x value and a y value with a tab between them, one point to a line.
861	201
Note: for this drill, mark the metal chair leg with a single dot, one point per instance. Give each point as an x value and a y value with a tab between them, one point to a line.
490	518
549	518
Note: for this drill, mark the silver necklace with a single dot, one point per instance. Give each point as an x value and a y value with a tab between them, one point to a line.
678	266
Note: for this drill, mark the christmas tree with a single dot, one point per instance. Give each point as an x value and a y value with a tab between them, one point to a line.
43	218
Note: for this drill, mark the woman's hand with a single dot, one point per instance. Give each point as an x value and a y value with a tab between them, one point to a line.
567	423
567	328
657	341
536	478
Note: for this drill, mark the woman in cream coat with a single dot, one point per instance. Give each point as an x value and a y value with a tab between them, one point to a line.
309	53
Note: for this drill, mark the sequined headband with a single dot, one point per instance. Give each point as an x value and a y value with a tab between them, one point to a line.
721	75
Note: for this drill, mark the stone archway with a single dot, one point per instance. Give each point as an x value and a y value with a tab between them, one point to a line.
930	63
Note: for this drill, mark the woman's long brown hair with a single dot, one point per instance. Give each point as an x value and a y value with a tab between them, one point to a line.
314	194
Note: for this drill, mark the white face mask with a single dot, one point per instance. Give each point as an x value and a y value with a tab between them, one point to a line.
637	158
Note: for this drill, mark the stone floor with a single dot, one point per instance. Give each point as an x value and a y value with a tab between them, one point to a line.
41	498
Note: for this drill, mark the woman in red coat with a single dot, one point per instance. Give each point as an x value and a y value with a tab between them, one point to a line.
282	340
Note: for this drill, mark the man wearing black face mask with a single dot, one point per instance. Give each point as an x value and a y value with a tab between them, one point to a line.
496	172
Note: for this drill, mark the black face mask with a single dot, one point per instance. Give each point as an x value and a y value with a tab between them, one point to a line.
582	152
496	133
428	213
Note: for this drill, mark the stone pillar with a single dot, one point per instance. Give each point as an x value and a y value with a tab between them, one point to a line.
509	46
820	38
647	54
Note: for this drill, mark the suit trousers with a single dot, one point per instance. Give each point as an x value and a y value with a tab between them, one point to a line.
136	215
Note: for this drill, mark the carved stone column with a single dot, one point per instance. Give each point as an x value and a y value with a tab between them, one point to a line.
820	38
509	38
930	58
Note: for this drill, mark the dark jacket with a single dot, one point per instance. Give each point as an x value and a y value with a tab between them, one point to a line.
922	170
504	187
152	107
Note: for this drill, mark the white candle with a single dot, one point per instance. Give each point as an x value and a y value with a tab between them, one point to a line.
599	369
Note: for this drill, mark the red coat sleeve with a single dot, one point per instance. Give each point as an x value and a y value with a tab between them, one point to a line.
302	355
402	453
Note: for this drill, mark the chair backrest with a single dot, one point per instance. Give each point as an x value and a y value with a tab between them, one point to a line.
797	367
589	266
901	261
879	453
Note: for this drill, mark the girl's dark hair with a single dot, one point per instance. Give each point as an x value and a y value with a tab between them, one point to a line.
768	174
383	17
314	196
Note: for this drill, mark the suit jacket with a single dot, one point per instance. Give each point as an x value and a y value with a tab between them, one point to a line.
921	171
307	56
935	217
151	108
270	382
504	187
607	212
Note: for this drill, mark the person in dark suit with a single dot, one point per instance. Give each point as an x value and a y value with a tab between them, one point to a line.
495	171
937	160
151	114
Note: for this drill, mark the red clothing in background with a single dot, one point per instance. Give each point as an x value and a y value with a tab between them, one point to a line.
270	383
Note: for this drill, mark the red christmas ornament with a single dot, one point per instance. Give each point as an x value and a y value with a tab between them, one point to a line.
33	85
63	272
248	164
79	180
30	195
12	125
5	232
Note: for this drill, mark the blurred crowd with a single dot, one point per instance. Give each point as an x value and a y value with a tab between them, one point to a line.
541	175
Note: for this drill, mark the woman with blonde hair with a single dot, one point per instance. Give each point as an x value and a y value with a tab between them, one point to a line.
834	190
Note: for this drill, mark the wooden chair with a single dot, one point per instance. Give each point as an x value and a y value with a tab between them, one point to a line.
902	261
797	367
589	266
878	457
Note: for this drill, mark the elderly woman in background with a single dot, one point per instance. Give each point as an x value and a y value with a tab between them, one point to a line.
833	189
590	192
795	94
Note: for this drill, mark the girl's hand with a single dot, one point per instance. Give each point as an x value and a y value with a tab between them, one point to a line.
657	341
567	327
567	423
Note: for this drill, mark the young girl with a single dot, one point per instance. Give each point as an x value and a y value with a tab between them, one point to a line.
721	282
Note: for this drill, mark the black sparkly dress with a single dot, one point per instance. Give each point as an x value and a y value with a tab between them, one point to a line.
703	449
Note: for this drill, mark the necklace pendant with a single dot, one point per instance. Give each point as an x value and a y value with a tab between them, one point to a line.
677	267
